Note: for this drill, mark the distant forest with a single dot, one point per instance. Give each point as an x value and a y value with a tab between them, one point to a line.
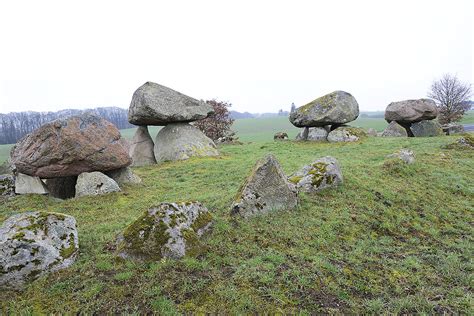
15	125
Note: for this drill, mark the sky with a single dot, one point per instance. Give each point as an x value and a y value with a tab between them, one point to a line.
258	55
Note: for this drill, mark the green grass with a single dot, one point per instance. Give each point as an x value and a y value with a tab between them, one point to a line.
468	118
392	239
5	152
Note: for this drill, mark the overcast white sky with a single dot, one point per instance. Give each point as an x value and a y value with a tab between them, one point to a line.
259	55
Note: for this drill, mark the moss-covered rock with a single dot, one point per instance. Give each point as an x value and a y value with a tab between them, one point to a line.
167	230
7	185
346	134
321	174
426	129
35	243
265	189
466	141
338	107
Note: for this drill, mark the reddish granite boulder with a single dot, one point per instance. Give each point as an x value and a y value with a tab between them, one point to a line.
69	147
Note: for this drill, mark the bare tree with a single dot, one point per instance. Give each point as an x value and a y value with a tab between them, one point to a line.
217	124
452	97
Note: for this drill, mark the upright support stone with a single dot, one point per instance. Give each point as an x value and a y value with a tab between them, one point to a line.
141	149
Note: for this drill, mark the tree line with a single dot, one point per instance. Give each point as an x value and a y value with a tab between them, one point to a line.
15	125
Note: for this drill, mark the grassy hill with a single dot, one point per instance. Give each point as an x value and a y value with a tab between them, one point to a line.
396	239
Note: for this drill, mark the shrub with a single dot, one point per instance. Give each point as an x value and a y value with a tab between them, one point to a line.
218	124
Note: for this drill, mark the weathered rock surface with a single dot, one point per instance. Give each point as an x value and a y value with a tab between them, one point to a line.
95	183
182	141
410	111
394	130
464	142
280	136
68	147
33	244
154	104
25	184
168	230
317	134
124	176
372	132
265	189
405	155
452	128
303	134
338	107
321	174
141	148
7	185
426	129
62	188
346	134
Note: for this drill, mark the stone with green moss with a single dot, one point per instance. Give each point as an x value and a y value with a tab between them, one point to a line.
338	107
181	141
323	173
265	189
168	230
7	185
33	244
346	134
466	141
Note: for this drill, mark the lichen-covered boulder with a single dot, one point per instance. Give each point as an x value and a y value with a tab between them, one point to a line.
394	130
346	134
7	185
464	142
95	183
372	132
169	230
321	174
405	155
265	189
452	128
70	146
280	136
25	184
154	104
313	134
338	107
33	244
141	148
182	141
410	111
426	129
124	176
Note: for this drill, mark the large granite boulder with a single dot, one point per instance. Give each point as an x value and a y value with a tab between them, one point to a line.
95	183
336	108
182	141
346	134
321	174
141	148
394	130
169	230
33	244
68	147
124	176
426	129
7	185
410	111
25	184
154	104
265	189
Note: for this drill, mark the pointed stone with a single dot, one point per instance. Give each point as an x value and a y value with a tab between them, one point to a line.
266	189
394	130
141	149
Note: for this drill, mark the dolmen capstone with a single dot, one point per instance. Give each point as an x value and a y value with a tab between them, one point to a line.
325	115
321	174
33	244
62	150
154	104
266	189
415	116
168	230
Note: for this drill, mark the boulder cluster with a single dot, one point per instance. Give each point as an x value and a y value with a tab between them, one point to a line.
412	118
325	119
71	157
154	104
